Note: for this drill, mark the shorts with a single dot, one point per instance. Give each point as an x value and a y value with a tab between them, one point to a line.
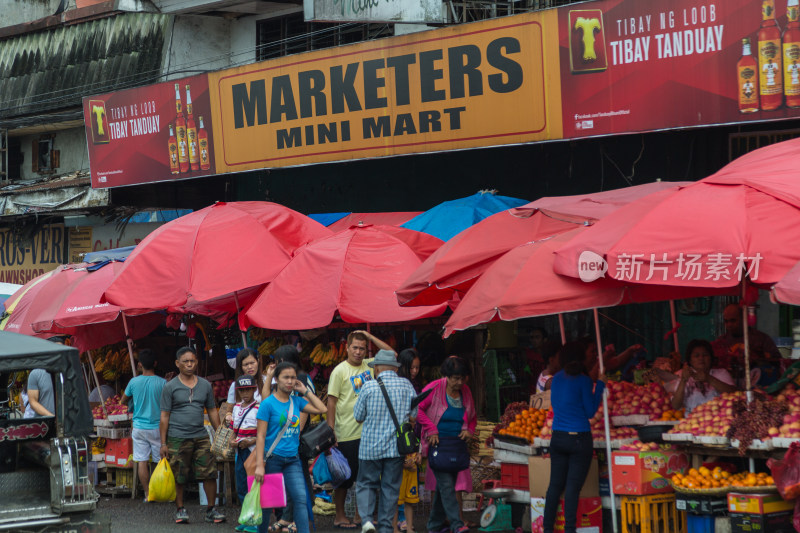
191	459
409	490
146	445
350	451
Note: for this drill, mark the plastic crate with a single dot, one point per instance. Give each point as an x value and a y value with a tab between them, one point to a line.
651	514
113	433
700	524
514	476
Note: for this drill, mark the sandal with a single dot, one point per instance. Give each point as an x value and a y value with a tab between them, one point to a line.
291	528
278	527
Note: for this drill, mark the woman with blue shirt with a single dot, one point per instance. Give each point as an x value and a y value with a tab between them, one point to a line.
272	416
574	399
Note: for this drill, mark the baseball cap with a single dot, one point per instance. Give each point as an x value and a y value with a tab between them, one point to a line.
246	382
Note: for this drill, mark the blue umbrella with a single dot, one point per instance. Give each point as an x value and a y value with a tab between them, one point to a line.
449	218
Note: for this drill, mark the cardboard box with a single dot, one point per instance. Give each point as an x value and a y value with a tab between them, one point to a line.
701	505
762	523
757	503
119	452
539	478
590	515
641	473
540	400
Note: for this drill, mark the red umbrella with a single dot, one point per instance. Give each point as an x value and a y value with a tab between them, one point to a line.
455	266
787	290
746	216
354	271
72	306
212	254
23	305
522	284
389	219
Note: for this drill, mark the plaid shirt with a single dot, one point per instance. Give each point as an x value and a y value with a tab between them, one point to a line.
379	436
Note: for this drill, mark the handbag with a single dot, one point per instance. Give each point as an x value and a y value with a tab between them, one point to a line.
450	455
273	488
407	440
316	440
224	447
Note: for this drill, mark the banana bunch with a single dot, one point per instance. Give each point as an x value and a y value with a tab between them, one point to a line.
325	353
259	334
112	362
269	346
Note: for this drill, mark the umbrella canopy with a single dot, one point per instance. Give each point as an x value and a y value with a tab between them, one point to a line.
746	216
392	218
522	284
73	307
66	301
354	272
449	218
455	266
211	253
787	290
7	289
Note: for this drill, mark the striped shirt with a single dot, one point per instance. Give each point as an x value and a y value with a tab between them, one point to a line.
246	427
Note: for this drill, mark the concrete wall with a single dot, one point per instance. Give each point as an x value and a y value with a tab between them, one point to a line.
243	34
198	44
72	145
19	11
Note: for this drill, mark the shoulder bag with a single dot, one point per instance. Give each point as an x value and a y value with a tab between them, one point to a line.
407	441
450	455
317	440
224	447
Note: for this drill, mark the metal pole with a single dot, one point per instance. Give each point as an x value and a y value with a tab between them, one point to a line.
561	328
97	382
614	526
672	316
129	342
239	310
745	328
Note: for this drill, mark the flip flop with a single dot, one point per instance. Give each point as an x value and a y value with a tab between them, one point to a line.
346	525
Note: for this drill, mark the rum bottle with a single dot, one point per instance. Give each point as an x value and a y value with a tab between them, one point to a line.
202	140
173	152
191	133
180	129
769	59
791	55
748	81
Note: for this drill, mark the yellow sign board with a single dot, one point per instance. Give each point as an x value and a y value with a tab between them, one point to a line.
489	83
23	256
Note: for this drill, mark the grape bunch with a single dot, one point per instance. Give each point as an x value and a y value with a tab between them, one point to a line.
754	420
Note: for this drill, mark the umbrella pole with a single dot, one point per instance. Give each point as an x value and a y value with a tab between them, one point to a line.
97	382
238	311
129	342
369	343
745	328
672	316
561	328
614	526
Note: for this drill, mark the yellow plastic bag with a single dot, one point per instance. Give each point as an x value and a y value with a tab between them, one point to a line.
162	483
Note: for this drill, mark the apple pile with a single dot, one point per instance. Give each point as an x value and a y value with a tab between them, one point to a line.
713	418
625	399
114	406
791	420
221	387
639	446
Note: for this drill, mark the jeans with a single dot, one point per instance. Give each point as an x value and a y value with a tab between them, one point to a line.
384	475
570	459
445	504
287	513
241	476
295	488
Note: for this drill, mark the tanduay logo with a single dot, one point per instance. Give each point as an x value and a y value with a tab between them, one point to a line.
591	266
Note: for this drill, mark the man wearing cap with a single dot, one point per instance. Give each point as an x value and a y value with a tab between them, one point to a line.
344	386
244	423
380	464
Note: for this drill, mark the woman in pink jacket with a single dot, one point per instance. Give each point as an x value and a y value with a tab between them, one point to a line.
448	411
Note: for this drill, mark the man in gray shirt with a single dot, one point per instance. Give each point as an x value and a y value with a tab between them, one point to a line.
184	439
40	394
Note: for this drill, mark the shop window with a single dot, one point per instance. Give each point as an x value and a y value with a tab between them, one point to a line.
277	37
44	159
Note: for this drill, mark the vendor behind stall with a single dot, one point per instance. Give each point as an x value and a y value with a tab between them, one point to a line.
698	383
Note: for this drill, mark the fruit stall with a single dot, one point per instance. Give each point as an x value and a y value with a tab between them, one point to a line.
669	473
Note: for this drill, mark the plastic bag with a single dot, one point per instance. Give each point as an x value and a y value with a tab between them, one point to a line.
786	472
251	507
320	471
162	483
338	467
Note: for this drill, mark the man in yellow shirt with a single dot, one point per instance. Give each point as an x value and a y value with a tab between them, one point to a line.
344	385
